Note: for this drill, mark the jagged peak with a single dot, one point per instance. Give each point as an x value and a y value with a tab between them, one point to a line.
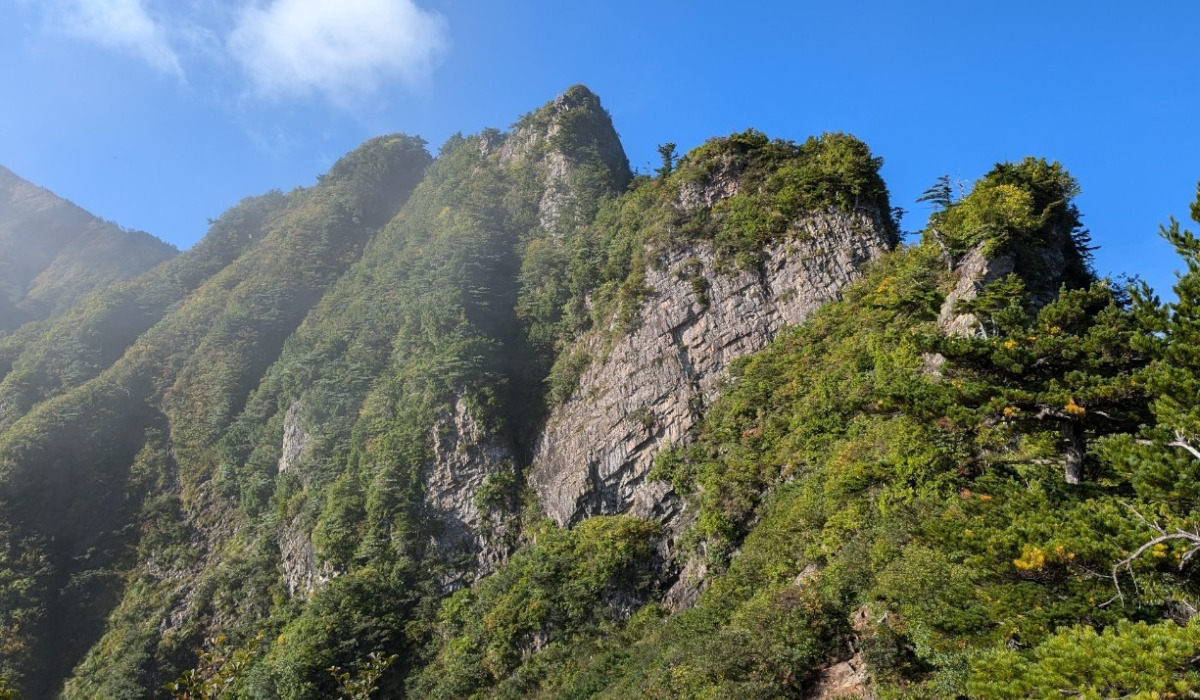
1019	219
575	126
576	99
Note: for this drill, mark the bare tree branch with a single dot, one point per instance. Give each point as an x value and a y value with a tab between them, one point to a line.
1180	441
1163	537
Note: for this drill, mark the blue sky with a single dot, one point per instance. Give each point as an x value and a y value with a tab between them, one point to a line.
159	114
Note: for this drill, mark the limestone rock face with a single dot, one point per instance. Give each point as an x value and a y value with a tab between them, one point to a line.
469	461
295	438
1043	268
975	272
298	559
648	390
565	133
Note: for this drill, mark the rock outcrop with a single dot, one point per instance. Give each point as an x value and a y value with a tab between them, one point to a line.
298	561
568	132
647	391
469	490
975	272
1043	268
295	438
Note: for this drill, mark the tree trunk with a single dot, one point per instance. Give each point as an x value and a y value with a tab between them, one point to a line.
1072	432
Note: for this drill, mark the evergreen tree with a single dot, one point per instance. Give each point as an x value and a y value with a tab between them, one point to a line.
1164	466
1073	369
667	152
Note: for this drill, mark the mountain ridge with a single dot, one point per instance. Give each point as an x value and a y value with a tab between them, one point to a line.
54	253
516	421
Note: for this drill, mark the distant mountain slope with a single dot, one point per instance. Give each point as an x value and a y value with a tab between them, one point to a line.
70	479
41	360
419	338
517	422
52	253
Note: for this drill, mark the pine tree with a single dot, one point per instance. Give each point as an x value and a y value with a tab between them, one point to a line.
666	151
1164	466
1074	368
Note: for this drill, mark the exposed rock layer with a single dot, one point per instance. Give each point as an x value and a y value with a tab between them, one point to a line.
647	391
467	492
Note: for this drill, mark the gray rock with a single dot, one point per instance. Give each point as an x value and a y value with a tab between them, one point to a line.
1041	267
298	561
648	390
975	272
473	535
295	438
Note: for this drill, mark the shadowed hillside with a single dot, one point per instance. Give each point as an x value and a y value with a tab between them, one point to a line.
517	422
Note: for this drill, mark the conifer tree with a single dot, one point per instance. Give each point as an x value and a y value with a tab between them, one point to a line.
1074	369
1164	466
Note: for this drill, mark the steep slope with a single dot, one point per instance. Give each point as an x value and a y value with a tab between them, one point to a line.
689	272
378	466
41	360
647	388
74	470
516	422
350	474
52	253
871	524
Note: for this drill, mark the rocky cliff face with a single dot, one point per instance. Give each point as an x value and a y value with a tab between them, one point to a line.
548	166
468	490
564	137
647	391
974	273
1043	268
353	427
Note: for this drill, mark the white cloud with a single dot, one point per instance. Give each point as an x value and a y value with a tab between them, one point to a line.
122	25
343	49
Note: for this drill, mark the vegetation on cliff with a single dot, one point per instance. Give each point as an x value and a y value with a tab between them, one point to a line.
289	462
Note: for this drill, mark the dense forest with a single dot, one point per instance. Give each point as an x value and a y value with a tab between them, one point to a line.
515	421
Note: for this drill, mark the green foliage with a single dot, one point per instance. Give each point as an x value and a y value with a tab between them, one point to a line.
566	582
363	681
1128	660
218	669
594	276
940	194
1174	378
250	448
67	461
667	152
338	531
1074	369
922	521
419	330
780	181
498	489
345	621
47	359
53	254
1021	209
565	374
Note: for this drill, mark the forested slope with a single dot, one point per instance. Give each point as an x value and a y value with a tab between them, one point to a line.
52	253
515	421
71	482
